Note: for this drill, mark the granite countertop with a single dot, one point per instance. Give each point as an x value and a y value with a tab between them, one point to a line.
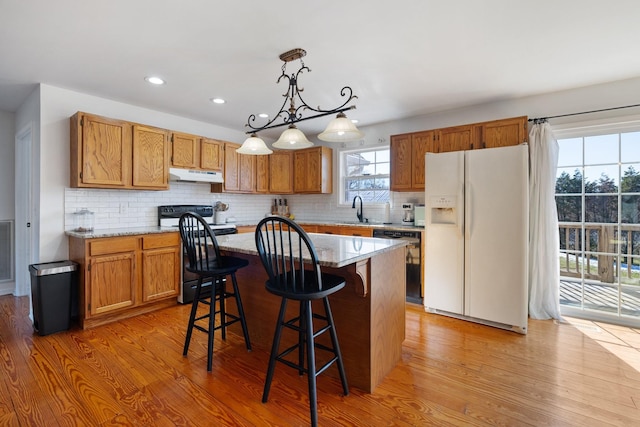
115	232
375	224
333	250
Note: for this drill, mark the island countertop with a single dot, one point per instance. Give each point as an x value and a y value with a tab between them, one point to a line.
333	250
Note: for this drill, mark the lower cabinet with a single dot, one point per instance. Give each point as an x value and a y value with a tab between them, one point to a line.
125	276
346	230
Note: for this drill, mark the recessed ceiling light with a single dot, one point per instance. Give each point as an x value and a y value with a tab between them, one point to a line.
218	100
263	115
155	80
354	121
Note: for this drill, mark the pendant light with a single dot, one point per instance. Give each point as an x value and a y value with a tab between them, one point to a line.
254	146
341	129
294	106
292	139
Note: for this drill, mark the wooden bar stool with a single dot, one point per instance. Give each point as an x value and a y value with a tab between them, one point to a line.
282	244
205	261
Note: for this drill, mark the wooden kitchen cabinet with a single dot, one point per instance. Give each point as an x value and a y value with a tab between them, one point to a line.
503	133
185	150
313	172
160	276
239	172
121	277
150	158
211	154
262	174
408	150
407	159
281	172
108	153
100	152
345	230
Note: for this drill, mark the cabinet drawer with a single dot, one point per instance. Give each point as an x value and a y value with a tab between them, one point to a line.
113	245
162	240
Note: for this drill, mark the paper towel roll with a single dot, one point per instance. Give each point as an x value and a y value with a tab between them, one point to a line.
387	213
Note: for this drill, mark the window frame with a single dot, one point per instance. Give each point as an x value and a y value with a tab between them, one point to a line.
342	174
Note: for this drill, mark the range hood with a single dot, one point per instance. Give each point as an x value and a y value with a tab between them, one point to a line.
192	175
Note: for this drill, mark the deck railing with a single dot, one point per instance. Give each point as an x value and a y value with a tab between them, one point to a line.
601	246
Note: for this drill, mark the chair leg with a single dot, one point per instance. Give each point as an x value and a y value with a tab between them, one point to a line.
212	322
336	346
311	362
192	316
221	292
243	321
301	338
274	351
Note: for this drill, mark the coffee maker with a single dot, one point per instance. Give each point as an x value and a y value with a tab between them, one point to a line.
407	214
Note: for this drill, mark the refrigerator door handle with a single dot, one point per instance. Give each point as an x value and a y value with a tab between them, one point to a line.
460	208
468	211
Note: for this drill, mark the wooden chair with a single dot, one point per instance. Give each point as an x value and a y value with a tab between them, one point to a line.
205	261
282	244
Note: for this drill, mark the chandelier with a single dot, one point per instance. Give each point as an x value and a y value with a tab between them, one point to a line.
339	129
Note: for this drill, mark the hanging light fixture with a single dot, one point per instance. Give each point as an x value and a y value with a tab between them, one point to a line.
254	145
293	138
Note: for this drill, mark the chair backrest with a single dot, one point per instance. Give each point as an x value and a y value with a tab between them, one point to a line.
199	242
282	245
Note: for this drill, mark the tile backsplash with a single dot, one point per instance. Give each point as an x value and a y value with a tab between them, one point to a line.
127	208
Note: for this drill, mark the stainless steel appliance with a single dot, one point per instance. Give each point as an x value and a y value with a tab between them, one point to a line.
413	260
169	216
407	214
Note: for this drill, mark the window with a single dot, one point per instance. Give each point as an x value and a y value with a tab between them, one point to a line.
598	202
365	173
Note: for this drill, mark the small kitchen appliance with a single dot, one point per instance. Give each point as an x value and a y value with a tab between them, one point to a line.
407	214
169	216
418	215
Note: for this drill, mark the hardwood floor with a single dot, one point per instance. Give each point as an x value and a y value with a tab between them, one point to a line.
452	373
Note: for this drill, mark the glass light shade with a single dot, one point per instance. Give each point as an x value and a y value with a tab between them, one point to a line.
341	129
292	139
254	146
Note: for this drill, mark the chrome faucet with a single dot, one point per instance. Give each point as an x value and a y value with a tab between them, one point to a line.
359	212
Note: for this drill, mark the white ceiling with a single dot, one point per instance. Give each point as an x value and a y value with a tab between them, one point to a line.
402	58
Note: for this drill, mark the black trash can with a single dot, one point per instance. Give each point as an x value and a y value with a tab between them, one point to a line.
53	294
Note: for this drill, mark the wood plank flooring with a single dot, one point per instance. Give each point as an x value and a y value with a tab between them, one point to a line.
453	373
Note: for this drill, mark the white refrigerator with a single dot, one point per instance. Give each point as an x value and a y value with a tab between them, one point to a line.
477	226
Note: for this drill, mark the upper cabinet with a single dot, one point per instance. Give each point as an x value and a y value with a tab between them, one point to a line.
408	150
407	159
211	154
194	152
150	157
313	171
281	172
239	171
108	153
185	150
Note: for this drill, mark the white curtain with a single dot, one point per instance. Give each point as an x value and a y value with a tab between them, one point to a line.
544	274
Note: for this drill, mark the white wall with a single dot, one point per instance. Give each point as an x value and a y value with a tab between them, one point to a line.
7	148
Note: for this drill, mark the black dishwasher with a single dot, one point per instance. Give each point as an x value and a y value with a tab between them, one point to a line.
413	260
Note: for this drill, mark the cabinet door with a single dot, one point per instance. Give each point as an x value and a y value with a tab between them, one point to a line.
456	138
101	152
401	152
503	133
184	150
150	158
231	167
160	273
211	154
421	143
247	173
112	282
313	170
281	172
262	174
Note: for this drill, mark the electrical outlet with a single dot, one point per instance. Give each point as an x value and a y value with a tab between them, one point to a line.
123	208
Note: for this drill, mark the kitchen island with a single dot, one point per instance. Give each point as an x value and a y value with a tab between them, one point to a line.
369	312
